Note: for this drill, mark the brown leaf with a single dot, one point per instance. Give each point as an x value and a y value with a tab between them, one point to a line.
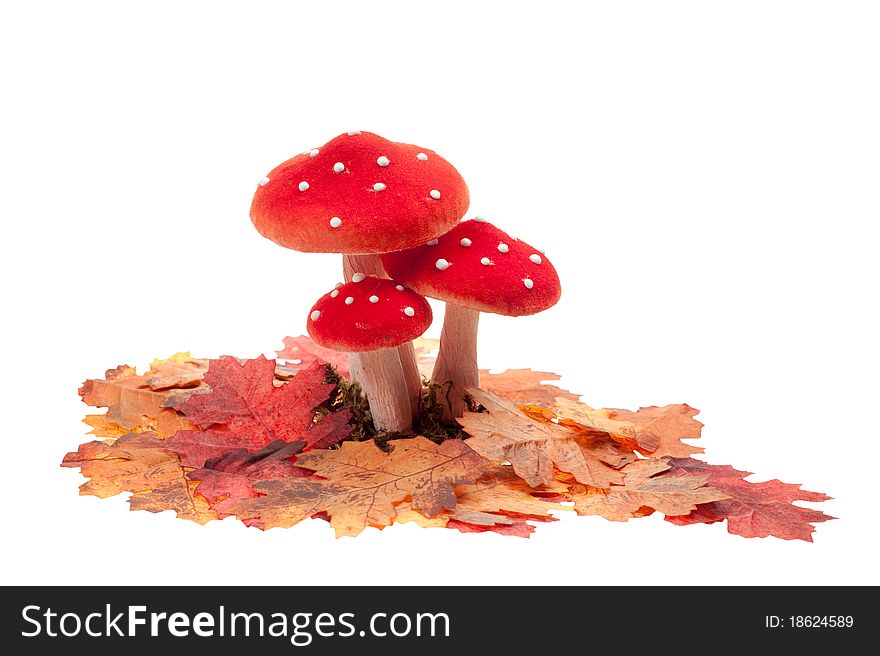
362	484
180	371
504	433
132	406
657	431
139	463
646	488
524	386
502	492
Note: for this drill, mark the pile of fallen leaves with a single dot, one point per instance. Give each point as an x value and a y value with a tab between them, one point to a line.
272	443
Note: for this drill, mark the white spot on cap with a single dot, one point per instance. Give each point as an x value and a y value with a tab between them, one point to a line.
408	311
349	300
303	185
479	219
383	161
374	299
335	222
313	152
503	248
338	285
339	167
433	242
351	133
485	261
441	264
379	186
465	242
398	287
315	314
334	293
435	194
357	277
534	257
264	181
528	282
422	157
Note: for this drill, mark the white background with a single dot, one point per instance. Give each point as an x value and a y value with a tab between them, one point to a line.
703	175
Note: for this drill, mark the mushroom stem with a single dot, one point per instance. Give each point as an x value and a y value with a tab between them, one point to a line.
382	381
457	359
371	265
381	373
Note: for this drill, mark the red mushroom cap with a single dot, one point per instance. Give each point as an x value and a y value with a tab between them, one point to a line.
477	266
368	314
359	193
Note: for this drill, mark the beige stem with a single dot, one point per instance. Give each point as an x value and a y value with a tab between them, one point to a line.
380	373
457	359
371	265
382	382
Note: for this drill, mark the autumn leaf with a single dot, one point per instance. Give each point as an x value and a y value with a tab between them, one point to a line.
360	484
524	386
648	486
233	474
501	492
180	371
245	410
501	502
753	510
504	433
139	463
304	352
657	431
132	405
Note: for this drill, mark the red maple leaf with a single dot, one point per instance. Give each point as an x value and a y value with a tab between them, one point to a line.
303	351
754	510
232	475
245	410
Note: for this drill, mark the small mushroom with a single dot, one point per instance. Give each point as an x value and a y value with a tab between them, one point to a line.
475	267
373	317
361	195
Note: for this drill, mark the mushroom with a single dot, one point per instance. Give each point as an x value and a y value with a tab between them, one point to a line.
475	267
361	195
372	315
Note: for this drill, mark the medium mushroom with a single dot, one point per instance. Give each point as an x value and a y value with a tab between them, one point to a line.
373	315
362	195
475	267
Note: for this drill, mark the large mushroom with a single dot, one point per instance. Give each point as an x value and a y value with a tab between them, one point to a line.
361	195
372	315
475	267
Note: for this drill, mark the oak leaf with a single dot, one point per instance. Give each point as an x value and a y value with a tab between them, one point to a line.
752	510
132	405
648	486
504	433
524	386
139	463
180	371
359	485
657	431
246	410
